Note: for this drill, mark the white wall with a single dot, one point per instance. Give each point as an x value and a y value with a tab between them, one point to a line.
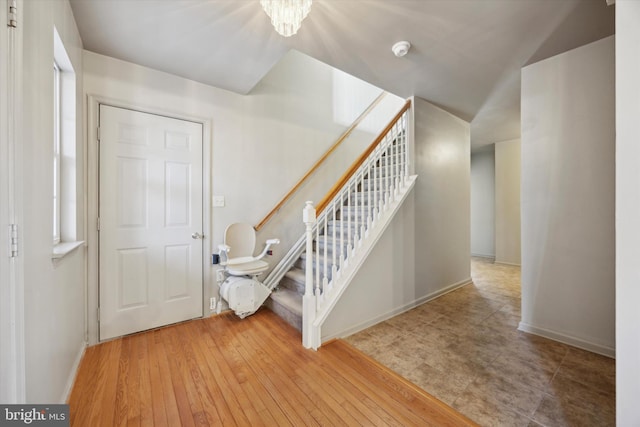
507	180
483	203
261	143
628	212
425	250
442	163
385	285
568	236
54	291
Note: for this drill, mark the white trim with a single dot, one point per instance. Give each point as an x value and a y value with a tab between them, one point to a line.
567	339
399	310
91	189
63	249
493	257
66	394
12	335
507	263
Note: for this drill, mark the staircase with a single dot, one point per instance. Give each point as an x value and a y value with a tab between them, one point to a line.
310	279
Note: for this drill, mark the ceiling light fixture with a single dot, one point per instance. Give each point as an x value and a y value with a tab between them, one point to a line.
286	15
400	49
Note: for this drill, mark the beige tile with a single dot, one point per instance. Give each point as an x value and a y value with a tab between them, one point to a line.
363	341
589	400
439	384
456	326
502	320
454	363
414	319
538	351
598	362
518	369
395	357
385	332
553	412
471	313
487	413
516	396
465	349
597	379
512	306
476	350
436	337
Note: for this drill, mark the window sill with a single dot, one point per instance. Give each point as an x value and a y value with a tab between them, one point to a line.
63	249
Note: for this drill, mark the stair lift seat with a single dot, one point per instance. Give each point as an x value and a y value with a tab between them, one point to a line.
241	288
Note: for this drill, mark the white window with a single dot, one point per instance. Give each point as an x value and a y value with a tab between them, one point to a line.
56	152
64	176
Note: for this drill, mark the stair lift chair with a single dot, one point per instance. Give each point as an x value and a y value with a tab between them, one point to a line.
241	288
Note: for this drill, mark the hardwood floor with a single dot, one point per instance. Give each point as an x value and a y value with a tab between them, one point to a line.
223	371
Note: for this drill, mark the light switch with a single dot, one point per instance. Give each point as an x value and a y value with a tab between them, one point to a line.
218	201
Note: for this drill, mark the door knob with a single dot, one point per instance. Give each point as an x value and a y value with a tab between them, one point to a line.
197	235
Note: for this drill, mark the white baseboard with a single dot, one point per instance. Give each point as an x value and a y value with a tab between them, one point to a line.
396	311
566	339
66	394
507	263
483	256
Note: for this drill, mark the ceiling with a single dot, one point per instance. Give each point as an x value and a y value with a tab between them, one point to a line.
466	55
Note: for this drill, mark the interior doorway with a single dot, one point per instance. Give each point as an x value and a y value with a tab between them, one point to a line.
150	221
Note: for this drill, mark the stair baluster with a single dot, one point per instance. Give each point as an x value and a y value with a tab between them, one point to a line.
337	241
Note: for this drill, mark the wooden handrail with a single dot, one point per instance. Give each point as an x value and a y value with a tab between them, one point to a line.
317	164
359	161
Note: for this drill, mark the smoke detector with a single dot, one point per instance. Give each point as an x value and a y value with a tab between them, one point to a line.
400	49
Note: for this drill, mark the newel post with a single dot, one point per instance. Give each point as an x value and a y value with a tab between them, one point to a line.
309	338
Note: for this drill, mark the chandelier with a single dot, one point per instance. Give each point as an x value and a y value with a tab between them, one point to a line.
286	15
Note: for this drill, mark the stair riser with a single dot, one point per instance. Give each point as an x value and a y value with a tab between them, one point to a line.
301	264
345	214
365	195
338	230
377	184
294	285
287	315
319	247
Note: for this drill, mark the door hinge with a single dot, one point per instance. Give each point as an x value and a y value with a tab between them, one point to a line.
98	314
98	133
13	14
13	240
98	224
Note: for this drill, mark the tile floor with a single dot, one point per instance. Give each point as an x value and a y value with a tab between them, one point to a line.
465	349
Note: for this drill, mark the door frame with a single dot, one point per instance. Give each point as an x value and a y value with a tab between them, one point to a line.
12	301
93	175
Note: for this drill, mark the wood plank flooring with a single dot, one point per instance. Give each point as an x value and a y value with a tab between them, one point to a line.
223	371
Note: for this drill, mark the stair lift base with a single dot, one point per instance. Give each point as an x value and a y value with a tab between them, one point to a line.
245	295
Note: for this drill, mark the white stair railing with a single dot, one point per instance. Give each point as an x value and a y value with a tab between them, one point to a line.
341	230
349	223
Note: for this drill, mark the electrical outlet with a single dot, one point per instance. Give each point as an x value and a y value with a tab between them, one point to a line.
218	201
212	303
220	276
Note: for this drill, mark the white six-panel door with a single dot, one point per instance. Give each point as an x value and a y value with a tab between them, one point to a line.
150	210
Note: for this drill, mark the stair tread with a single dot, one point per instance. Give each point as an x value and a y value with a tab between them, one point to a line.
296	274
288	298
